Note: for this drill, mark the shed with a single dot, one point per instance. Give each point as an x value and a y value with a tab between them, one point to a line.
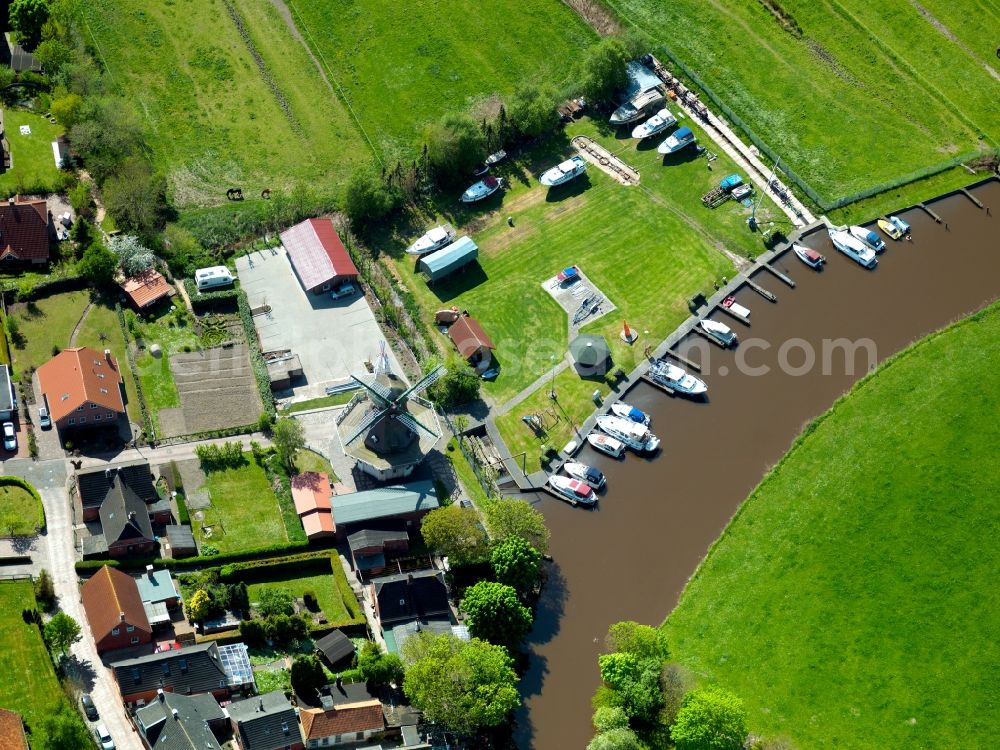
180	541
471	340
448	259
318	256
335	646
146	290
591	355
407	502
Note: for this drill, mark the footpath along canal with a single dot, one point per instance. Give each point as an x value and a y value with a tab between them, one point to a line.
630	558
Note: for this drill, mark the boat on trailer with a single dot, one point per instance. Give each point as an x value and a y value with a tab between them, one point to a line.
564	172
676	378
629	412
809	256
891	230
635	436
434	239
482	189
676	141
577	492
640	105
587	474
869	237
853	248
606	444
720	332
654	125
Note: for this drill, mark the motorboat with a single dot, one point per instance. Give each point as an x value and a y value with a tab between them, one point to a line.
606	444
676	141
586	474
563	173
482	189
577	492
654	125
809	256
719	331
867	236
635	436
638	107
853	248
676	378
901	225
496	157
891	230
740	311
629	412
434	239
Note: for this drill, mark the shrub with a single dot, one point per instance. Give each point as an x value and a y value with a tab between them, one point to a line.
307	675
459	385
710	719
368	198
455	145
533	109
253	632
274	602
603	70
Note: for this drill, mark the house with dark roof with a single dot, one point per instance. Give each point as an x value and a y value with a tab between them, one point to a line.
126	527
114	610
25	231
266	722
12	735
421	595
146	290
181	722
221	671
335	647
318	256
95	486
83	389
373	549
403	503
342	724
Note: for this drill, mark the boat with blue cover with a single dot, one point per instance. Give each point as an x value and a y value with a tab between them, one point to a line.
677	140
869	237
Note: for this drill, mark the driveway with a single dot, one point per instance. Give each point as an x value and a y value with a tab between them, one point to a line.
333	339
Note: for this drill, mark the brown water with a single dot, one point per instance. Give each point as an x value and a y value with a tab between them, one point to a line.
630	558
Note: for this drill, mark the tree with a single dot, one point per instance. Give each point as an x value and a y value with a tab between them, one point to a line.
106	136
45	592
495	613
635	682
307	675
98	264
642	641
460	384
607	718
367	198
61	632
53	55
622	738
462	685
289	438
67	109
511	517
533	109
516	563
61	729
198	605
134	258
455	532
604	70
136	197
710	719
455	145
27	17
273	602
378	667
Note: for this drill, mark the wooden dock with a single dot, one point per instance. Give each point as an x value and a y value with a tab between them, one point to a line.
683	360
734	315
972	198
931	213
787	279
761	291
649	381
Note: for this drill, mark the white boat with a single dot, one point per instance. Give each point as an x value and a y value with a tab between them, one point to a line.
577	492
635	436
869	237
655	124
627	411
676	141
586	474
606	444
564	172
719	331
434	239
676	378
482	189
808	256
496	158
853	248
901	225
641	104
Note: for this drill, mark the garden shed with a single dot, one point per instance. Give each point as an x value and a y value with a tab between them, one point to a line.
449	259
591	355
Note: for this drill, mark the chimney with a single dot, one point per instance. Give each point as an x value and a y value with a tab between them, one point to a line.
149	571
173	712
261	704
110	476
107	355
121	617
340	682
10	201
160	695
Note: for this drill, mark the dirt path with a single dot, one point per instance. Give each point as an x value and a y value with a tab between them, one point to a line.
79	324
952	38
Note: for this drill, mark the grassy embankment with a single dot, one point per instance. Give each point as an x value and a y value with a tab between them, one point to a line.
852	602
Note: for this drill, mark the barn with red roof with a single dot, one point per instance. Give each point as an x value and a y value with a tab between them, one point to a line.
319	258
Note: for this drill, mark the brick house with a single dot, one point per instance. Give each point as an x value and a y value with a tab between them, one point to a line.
343	724
266	722
222	671
94	487
181	722
83	389
114	610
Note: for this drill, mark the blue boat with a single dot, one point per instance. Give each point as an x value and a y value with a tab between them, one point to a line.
901	225
626	411
869	237
676	141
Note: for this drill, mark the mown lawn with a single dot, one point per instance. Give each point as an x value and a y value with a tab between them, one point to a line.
20	512
852	602
211	117
33	168
320	402
320	582
402	66
44	324
307	460
101	330
244	513
861	93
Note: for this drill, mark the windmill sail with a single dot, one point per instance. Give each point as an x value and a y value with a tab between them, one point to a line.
425	382
411	423
383	395
366	423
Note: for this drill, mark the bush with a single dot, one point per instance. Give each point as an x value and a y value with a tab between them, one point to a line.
253	632
274	602
603	71
710	719
533	110
368	199
215	457
307	675
455	145
460	384
378	667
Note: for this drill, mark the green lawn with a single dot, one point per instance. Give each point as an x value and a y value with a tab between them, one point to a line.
307	460
29	686
46	323
852	601
319	402
213	118
19	511
401	67
864	92
319	581
100	331
244	513
33	168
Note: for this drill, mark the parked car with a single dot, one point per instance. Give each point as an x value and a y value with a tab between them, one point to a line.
9	437
88	706
44	420
104	738
344	291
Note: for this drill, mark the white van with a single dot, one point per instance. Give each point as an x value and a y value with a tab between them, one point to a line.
212	278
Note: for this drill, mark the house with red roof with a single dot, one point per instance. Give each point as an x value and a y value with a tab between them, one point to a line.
343	724
146	290
83	389
319	258
114	610
311	494
25	232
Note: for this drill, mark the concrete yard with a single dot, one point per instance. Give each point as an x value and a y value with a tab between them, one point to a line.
333	339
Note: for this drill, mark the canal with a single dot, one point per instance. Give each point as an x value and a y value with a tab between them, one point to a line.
630	558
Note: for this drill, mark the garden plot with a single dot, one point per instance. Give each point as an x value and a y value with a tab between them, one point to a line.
579	297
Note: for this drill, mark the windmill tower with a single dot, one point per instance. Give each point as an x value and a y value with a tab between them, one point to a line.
391	431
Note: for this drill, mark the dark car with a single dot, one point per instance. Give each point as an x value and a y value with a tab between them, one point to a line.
88	706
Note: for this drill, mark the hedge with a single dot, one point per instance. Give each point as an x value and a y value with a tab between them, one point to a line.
15	560
139	563
210	301
146	418
30	489
256	356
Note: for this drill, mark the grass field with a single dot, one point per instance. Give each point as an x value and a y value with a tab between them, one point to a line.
30	686
46	323
19	511
244	512
852	601
319	582
849	93
307	460
402	66
33	167
214	119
